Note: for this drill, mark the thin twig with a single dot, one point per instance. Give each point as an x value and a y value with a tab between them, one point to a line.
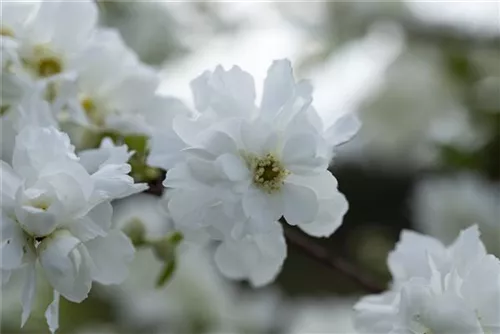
320	254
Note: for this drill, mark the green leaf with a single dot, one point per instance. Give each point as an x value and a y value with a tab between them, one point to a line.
167	273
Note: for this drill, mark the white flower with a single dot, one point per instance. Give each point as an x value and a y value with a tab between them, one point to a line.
436	289
223	95
58	214
415	111
444	206
327	315
15	14
142	213
452	304
112	88
196	295
53	35
235	168
30	110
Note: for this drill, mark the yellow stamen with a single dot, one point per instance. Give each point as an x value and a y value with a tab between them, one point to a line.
269	173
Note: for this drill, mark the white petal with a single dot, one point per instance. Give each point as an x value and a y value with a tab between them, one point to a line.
300	203
96	222
180	177
69	22
409	259
481	289
279	87
12	240
111	256
9	183
65	262
330	215
258	138
37	147
112	182
257	258
67	189
4	277
233	166
467	249
37	222
135	89
195	208
108	153
229	93
262	206
300	154
28	292
52	313
165	149
343	129
332	204
219	143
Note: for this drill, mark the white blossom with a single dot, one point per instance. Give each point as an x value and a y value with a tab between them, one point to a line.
53	35
57	213
196	296
436	289
235	168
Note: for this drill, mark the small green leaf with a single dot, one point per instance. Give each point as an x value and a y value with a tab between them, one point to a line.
137	143
167	273
136	232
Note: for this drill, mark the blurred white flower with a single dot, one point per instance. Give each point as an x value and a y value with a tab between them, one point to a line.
436	289
30	110
327	315
196	299
415	111
442	206
113	89
53	35
58	214
142	214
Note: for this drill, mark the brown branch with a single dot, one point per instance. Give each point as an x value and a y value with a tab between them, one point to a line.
321	255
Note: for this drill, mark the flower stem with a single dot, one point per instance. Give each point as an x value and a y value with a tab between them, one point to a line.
320	254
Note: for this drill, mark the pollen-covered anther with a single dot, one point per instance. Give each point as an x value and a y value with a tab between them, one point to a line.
49	66
93	112
4	31
268	172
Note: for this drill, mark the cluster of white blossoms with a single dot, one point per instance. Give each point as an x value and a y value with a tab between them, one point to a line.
436	289
56	212
236	172
91	81
234	169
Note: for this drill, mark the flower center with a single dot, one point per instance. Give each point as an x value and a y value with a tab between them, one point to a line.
4	31
40	203
92	111
43	62
418	326
49	66
268	172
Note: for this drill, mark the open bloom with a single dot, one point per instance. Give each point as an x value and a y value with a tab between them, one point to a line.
56	211
113	90
52	34
436	289
234	168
